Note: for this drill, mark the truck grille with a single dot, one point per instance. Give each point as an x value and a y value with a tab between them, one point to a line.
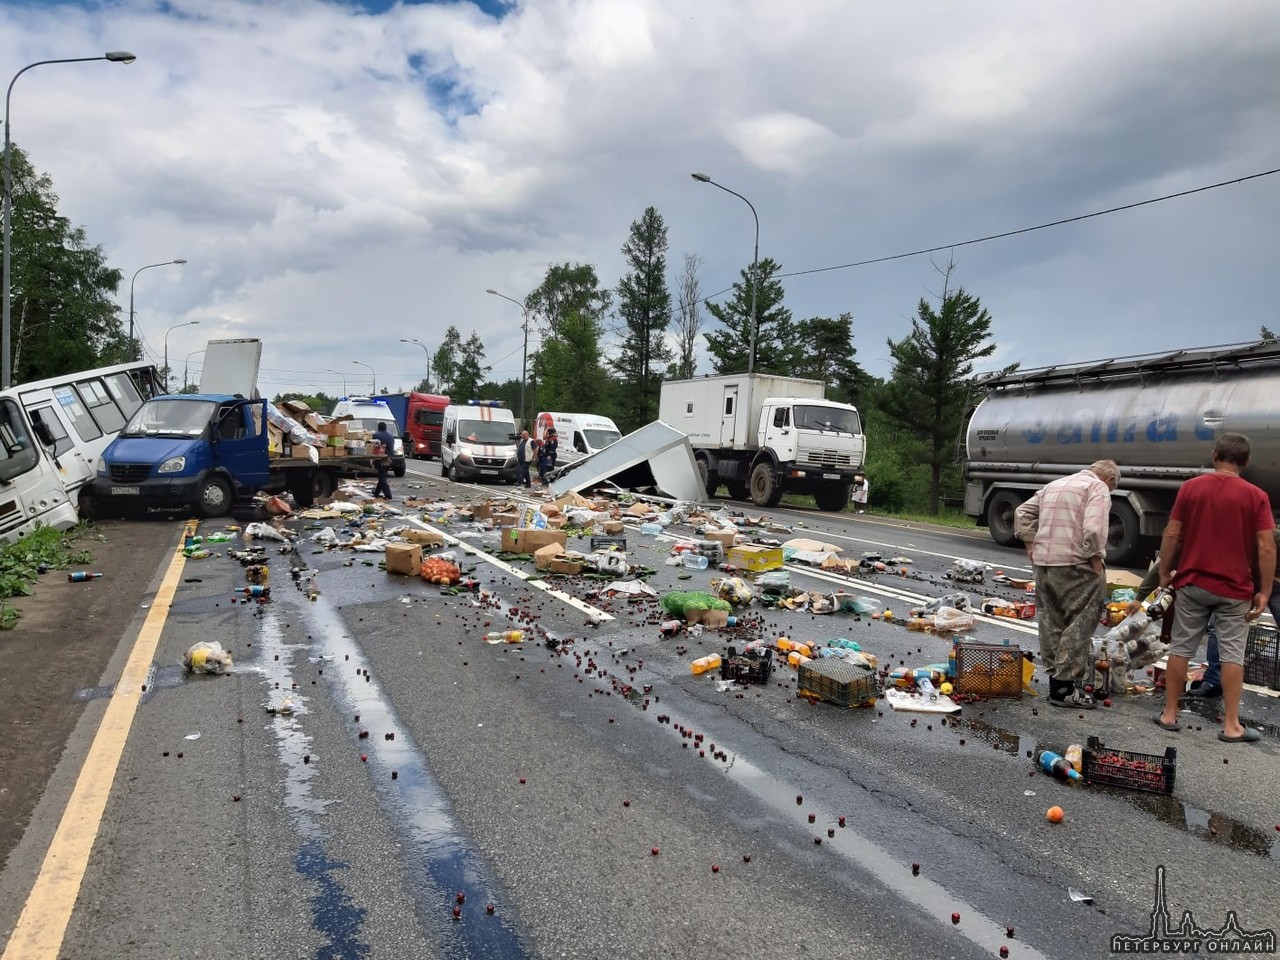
489	461
130	472
826	458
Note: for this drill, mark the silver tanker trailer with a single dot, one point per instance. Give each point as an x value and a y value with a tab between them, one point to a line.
1156	416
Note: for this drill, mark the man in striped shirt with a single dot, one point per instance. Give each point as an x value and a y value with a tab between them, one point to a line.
1064	527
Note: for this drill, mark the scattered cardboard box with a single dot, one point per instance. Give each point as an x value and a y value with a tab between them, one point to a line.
558	522
756	559
726	538
612	527
708	618
543	556
565	565
482	511
426	538
505	519
528	540
404	558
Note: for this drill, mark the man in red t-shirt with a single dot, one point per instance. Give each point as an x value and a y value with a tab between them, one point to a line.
1220	542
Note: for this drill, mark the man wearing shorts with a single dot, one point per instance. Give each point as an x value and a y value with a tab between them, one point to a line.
1219	539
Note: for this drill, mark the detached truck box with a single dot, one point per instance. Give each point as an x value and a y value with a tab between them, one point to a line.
763	436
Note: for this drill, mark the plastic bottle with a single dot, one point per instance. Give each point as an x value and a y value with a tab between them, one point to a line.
920	624
669	628
710	662
504	636
1056	764
197	553
795	658
694	561
1075	757
217	537
79	576
927	690
651	529
784	644
255	590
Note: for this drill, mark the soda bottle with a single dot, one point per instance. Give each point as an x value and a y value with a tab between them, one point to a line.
504	636
217	538
80	576
255	590
1057	765
710	662
669	628
197	553
1075	756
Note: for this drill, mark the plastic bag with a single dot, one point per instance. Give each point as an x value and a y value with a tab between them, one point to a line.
325	537
263	531
608	561
733	589
681	602
968	571
774	578
205	657
959	601
949	618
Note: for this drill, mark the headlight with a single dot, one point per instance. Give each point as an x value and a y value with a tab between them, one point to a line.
511	462
173	465
464	455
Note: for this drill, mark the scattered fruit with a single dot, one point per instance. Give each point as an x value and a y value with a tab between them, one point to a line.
1054	815
955	918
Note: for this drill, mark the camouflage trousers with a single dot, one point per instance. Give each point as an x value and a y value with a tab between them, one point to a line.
1069	601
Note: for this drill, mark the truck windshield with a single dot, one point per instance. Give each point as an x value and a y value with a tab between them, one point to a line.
599	439
828	420
170	418
17	448
485	431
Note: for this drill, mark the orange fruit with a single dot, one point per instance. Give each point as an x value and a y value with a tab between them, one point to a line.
1054	815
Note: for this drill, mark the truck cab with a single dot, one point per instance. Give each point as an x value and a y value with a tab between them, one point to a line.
366	413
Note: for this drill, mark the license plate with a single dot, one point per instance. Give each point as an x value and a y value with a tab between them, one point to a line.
831	476
126	491
489	473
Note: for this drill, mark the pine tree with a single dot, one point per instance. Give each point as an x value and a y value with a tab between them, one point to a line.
777	347
644	306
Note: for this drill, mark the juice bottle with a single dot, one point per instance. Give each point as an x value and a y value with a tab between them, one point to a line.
785	644
504	636
1075	756
710	662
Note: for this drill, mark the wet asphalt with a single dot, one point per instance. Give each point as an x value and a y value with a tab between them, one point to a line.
542	780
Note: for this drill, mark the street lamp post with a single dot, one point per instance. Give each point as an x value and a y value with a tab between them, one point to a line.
189	323
186	367
136	353
344	379
755	261
6	309
524	353
372	373
428	353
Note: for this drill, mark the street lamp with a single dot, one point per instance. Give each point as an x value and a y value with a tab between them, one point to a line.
755	260
344	379
428	353
524	354
166	349
186	367
6	362
372	373
133	349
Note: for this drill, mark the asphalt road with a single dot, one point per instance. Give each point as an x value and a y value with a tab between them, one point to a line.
528	778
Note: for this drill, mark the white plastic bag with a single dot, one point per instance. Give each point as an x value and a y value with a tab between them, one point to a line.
205	657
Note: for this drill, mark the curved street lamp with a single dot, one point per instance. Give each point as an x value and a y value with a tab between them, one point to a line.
344	379
755	260
372	373
428	353
134	348
6	305
189	323
524	353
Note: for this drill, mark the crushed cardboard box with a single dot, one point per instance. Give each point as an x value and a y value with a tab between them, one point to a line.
543	556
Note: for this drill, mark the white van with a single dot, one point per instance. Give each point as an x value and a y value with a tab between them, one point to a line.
478	442
580	434
366	414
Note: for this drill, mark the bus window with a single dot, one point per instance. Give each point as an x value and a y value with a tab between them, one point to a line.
125	393
17	450
75	411
101	407
52	423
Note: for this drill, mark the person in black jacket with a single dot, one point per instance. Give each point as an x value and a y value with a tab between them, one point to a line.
547	455
383	463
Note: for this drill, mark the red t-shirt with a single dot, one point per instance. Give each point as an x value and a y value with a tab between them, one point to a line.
1221	516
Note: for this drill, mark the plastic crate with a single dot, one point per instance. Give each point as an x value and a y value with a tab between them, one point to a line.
747	667
988	669
837	681
1132	771
1262	656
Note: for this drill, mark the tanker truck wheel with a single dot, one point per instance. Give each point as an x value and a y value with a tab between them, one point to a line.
1000	516
1123	533
766	491
832	499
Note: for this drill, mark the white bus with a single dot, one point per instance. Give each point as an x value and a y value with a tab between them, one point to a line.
52	433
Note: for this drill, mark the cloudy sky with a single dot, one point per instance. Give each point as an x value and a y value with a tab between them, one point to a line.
343	174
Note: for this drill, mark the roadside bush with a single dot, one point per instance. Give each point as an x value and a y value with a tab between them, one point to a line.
22	562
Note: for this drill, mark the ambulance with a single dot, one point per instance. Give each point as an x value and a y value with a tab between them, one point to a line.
478	442
580	434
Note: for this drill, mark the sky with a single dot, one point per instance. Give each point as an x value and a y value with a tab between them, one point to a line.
340	175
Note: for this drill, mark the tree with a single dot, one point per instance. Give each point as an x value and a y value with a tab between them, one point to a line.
777	349
469	371
445	361
828	355
1265	335
644	305
688	321
64	317
932	367
568	290
568	308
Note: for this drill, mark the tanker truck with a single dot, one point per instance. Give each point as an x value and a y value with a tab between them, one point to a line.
1156	415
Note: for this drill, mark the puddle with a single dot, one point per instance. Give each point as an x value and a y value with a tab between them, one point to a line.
85	694
332	912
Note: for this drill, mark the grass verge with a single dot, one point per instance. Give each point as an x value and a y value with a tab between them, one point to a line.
43	550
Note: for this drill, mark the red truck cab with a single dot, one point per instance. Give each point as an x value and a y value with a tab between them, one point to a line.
422	424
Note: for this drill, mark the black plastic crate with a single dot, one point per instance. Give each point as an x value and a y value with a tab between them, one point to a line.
837	681
988	669
747	667
1262	656
1132	771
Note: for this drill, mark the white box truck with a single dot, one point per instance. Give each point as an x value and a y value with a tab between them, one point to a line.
763	436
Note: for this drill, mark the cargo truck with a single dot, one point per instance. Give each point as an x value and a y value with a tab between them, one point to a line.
763	436
1156	415
419	416
208	451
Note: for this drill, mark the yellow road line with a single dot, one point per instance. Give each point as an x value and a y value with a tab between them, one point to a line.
43	923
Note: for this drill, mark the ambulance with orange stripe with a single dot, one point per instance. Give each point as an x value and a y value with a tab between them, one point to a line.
478	442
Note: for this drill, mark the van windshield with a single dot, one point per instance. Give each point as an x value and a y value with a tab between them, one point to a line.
598	439
17	448
485	431
170	418
828	419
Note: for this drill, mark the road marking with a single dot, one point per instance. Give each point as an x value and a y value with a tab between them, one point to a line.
43	923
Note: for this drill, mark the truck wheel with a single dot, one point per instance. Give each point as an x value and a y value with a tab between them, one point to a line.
213	499
323	485
444	469
710	480
303	488
832	499
766	491
1123	533
1000	520
398	467
87	504
738	490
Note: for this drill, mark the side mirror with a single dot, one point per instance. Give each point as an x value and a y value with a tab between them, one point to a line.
450	437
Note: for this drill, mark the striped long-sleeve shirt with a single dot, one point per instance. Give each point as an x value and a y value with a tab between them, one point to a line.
1067	520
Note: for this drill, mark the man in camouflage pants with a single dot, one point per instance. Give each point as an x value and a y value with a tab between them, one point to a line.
1064	527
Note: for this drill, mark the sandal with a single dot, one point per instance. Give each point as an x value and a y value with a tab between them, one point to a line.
1076	699
1249	736
1171	727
